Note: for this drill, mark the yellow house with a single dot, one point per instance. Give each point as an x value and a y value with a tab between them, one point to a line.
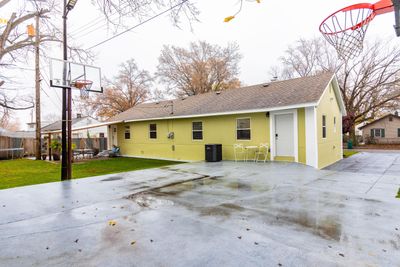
300	119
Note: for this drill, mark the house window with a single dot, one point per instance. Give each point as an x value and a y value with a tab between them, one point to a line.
398	132
243	129
377	132
323	126
153	131
334	124
390	118
127	132
197	130
101	135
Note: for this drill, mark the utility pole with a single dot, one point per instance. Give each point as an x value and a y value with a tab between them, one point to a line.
37	91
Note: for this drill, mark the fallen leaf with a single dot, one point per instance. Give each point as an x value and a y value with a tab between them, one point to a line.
76	241
133	243
341	254
112	223
239	237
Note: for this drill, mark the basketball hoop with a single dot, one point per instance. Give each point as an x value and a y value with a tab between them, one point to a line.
84	87
346	28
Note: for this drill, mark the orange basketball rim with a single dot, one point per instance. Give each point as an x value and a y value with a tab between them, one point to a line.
345	29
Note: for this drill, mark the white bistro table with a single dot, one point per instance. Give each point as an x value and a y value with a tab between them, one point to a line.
251	150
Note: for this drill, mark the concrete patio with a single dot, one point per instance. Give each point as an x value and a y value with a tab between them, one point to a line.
210	214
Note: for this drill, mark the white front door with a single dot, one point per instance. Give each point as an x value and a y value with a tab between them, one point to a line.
284	137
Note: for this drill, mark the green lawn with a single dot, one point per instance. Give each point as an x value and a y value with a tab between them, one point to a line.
22	172
349	153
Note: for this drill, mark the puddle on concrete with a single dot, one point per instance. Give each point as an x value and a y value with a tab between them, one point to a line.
239	186
145	200
327	227
225	210
112	178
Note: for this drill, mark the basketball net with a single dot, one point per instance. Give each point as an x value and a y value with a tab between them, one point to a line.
346	30
84	87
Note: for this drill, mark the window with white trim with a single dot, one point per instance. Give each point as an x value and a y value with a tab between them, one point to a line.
323	126
153	131
243	130
378	132
127	132
197	130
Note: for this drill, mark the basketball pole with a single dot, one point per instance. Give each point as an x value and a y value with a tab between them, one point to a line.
64	163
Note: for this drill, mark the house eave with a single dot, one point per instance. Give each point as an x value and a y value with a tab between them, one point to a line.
303	105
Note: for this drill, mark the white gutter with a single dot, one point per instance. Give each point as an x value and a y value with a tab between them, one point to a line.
224	113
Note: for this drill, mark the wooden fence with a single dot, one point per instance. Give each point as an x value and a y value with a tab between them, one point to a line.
7	144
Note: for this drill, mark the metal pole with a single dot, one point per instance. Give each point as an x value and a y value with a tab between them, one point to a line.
49	146
64	161
69	146
37	91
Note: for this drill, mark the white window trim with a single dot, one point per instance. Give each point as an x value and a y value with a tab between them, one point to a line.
295	133
153	131
129	127
236	129
380	132
326	126
202	131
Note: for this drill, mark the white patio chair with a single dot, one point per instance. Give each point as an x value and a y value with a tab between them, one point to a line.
238	149
262	152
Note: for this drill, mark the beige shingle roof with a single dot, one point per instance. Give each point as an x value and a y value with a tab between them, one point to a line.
262	96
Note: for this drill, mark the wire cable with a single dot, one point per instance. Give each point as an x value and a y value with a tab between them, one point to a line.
137	25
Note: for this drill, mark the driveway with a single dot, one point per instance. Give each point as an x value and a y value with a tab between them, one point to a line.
207	214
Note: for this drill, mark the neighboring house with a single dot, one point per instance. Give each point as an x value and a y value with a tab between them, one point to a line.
384	130
300	119
79	123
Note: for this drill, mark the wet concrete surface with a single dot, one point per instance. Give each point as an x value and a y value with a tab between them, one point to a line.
209	214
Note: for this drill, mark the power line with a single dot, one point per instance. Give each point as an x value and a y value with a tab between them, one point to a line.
85	28
137	25
95	21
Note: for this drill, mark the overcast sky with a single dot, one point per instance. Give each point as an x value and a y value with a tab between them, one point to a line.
263	31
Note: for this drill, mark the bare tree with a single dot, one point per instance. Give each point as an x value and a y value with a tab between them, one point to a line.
143	9
16	45
370	83
129	88
200	69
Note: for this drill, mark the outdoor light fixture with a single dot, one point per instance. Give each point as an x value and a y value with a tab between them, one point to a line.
71	4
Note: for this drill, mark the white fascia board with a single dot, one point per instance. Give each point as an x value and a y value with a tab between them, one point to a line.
304	105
